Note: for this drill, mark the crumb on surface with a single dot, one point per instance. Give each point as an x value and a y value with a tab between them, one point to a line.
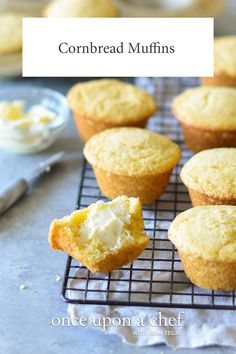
23	287
58	277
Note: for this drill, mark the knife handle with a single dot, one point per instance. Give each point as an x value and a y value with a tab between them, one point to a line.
12	194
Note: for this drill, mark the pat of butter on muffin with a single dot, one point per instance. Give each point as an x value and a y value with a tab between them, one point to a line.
104	236
106	223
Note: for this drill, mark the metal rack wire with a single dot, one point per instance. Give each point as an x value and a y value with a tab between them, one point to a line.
156	278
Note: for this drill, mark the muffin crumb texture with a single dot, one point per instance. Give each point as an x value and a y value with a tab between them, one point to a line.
212	172
210	108
208	232
132	152
111	101
104	236
225	56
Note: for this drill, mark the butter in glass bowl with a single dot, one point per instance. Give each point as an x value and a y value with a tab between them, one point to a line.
31	119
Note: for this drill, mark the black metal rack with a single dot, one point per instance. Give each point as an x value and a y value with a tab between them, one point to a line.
156	278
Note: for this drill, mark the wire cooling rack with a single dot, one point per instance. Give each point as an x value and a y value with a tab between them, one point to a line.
156	278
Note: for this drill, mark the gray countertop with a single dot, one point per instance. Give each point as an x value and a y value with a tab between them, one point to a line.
26	258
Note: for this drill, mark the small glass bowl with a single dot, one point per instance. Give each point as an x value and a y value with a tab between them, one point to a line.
33	142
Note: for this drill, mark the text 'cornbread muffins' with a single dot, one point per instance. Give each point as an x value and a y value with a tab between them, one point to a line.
207	116
132	161
225	63
104	236
205	237
81	8
210	177
102	104
10	33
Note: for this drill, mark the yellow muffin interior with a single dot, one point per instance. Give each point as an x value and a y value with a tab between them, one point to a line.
102	230
132	152
206	231
111	101
225	55
212	172
212	108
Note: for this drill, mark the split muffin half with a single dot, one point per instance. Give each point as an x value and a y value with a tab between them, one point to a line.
104	236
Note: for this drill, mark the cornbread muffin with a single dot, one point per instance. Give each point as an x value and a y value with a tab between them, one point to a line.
81	8
205	237
225	63
207	116
210	177
10	33
132	161
104	236
101	104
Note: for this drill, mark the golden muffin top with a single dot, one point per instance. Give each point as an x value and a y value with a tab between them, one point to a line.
131	152
208	232
81	8
225	55
111	101
10	33
212	172
212	108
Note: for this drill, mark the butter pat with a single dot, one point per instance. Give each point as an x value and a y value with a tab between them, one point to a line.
104	236
13	114
106	222
11	110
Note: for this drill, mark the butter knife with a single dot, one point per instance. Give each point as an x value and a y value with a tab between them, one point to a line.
9	196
